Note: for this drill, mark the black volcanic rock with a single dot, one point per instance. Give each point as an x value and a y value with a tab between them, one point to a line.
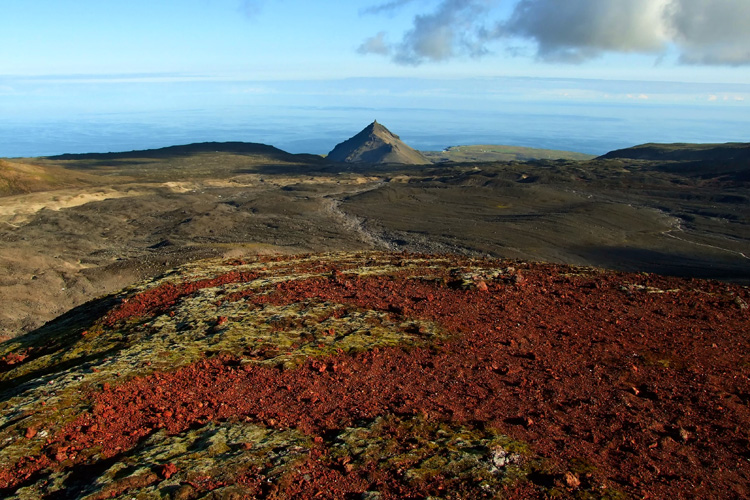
376	145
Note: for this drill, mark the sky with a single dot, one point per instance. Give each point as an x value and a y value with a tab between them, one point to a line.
684	40
109	55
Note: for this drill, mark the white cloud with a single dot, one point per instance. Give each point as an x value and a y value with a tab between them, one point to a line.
576	30
707	32
388	7
452	29
711	31
375	45
726	98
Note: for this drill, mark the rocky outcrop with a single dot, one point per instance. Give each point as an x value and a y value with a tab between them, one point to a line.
376	145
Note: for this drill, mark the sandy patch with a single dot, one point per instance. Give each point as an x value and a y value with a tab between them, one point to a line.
16	210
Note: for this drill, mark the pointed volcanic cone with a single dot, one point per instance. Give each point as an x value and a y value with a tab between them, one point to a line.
376	144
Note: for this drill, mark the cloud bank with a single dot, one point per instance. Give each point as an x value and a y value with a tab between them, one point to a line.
711	31
452	29
577	30
386	7
707	32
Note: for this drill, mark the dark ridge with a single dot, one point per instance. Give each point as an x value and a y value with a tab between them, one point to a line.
189	149
728	152
728	162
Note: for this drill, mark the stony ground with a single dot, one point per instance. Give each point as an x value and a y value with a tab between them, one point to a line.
99	223
384	375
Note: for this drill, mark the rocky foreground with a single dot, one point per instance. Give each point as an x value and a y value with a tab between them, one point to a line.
378	375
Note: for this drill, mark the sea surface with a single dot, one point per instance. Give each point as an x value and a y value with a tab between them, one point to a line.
587	128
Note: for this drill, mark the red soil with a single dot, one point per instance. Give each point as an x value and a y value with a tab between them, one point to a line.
161	298
651	389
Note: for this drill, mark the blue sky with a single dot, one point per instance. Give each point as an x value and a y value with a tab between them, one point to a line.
296	39
88	56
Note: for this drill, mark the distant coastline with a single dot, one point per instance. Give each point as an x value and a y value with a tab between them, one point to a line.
593	130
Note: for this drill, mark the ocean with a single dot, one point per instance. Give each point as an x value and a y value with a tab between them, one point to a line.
310	119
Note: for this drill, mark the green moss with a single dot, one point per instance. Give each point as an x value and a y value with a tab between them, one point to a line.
602	494
421	449
219	451
581	466
661	360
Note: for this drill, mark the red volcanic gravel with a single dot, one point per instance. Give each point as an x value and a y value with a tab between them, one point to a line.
162	297
650	388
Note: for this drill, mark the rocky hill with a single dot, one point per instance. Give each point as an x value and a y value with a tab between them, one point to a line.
22	178
729	162
244	148
375	144
384	376
735	152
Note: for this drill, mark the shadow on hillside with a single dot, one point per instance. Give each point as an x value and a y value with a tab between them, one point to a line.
54	341
324	167
733	269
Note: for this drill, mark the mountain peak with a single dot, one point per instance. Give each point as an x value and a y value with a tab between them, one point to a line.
376	144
